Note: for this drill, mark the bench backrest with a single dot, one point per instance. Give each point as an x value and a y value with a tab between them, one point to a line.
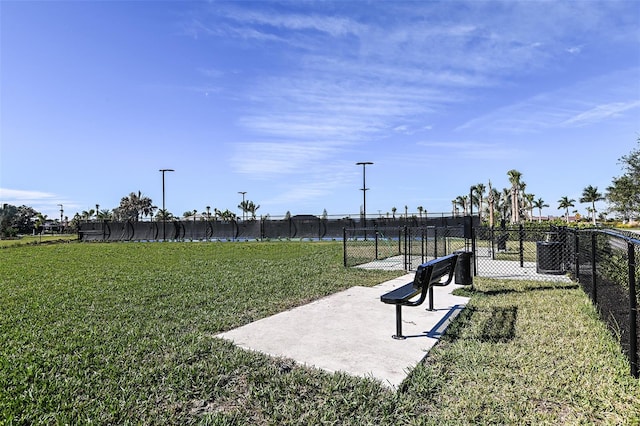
432	271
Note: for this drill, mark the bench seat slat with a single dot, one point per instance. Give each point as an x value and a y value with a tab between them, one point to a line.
401	294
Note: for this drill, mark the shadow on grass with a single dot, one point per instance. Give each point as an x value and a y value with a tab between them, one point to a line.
495	325
469	292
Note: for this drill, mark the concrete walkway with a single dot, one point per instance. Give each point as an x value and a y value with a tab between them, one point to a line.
351	331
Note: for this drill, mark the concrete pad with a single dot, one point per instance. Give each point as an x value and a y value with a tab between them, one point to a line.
351	331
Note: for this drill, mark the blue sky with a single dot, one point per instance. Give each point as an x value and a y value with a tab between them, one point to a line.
282	99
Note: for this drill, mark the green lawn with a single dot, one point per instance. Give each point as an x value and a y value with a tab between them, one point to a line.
123	333
37	239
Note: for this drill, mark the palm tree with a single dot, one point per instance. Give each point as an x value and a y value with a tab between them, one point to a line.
41	219
494	196
528	202
87	214
565	203
104	214
135	205
514	179
226	215
462	201
479	191
164	215
252	208
591	195
539	204
393	211
189	214
505	203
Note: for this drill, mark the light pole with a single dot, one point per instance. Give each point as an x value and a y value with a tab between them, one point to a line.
243	206
364	164
164	212
61	213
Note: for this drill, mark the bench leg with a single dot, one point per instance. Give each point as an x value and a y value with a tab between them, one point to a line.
398	335
431	298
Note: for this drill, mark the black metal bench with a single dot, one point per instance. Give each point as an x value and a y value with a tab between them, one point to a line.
428	275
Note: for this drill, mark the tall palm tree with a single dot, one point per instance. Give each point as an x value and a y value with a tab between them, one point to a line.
505	203
539	204
420	210
528	202
190	213
252	208
87	214
494	196
479	189
133	206
591	195
565	203
463	201
226	215
164	215
514	179
522	200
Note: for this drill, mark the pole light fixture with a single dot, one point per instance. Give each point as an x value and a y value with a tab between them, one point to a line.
164	211
243	206
61	214
364	164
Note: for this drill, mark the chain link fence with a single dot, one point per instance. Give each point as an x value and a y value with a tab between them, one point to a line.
521	252
602	262
399	248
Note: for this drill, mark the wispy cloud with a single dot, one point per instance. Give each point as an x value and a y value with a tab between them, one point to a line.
341	79
332	25
44	202
583	103
601	112
474	150
13	196
263	160
317	184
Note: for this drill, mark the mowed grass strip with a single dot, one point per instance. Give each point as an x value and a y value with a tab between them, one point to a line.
38	239
528	352
123	333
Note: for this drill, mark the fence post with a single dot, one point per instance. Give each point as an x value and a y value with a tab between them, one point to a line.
376	239
422	243
406	249
594	289
473	251
576	254
633	307
521	238
435	242
493	245
344	246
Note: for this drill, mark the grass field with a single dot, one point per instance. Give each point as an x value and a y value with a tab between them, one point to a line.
37	239
123	333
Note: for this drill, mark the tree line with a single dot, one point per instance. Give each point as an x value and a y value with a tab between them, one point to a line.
513	204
